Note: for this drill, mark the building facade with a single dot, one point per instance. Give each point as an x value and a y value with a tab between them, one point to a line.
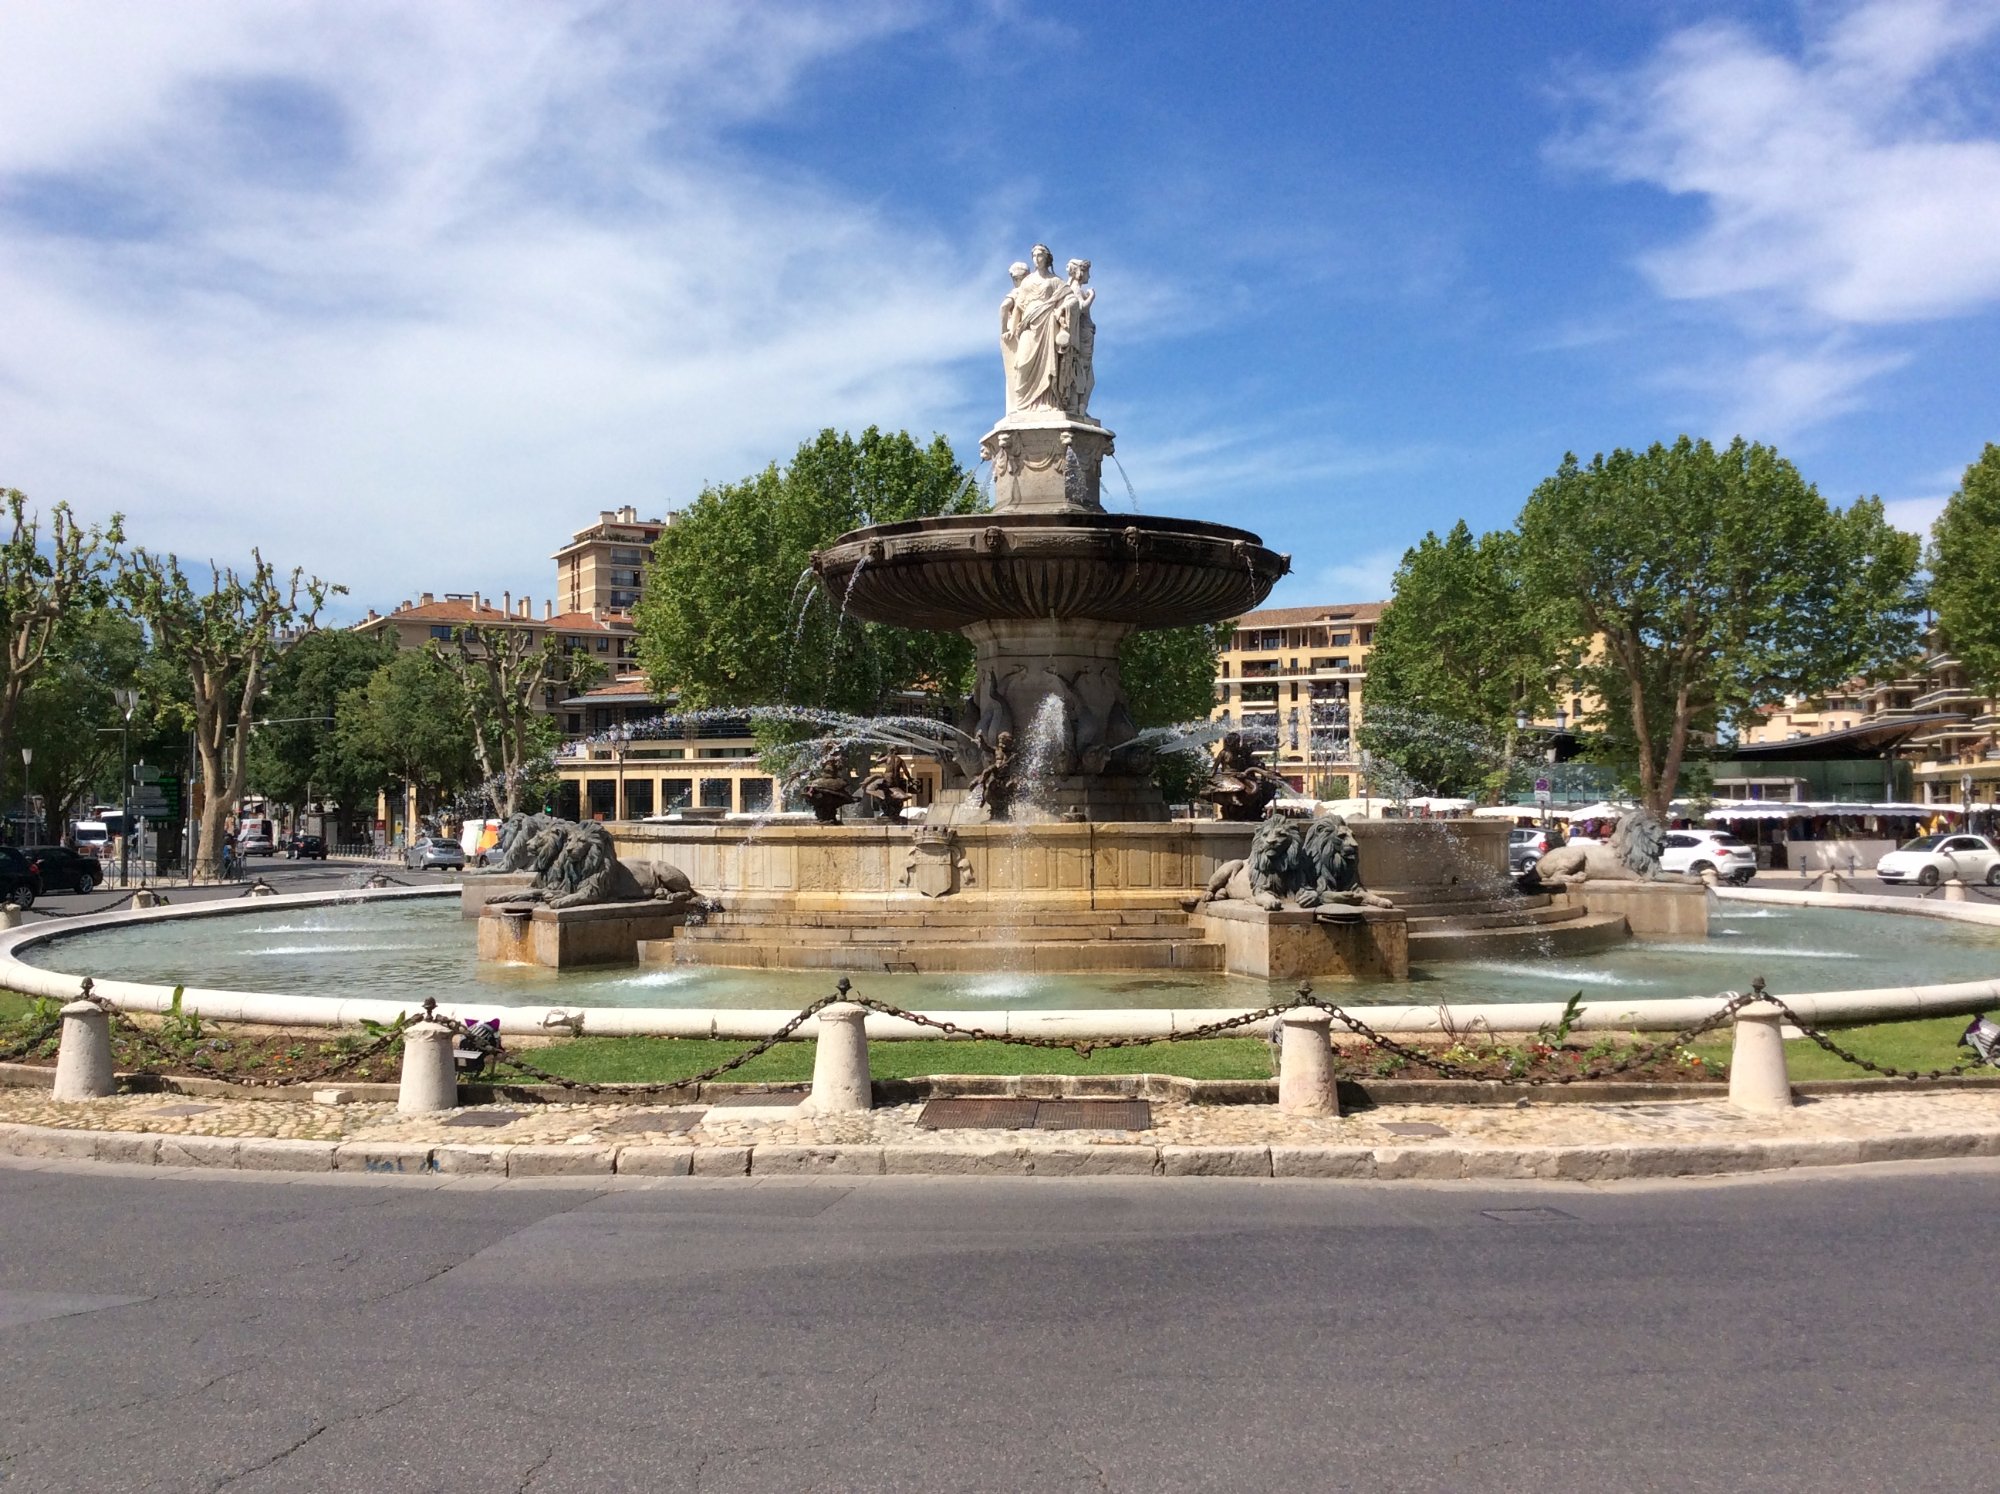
1295	679
603	567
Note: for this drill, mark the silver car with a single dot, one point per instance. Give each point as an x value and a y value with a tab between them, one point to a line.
429	851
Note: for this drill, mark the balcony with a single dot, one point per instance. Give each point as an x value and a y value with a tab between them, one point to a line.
1942	698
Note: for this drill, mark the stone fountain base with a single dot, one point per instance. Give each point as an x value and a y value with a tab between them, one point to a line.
568	938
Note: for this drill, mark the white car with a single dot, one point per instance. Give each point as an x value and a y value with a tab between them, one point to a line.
1931	859
1698	851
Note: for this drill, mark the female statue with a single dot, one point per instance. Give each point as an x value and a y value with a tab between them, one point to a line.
1079	378
1041	335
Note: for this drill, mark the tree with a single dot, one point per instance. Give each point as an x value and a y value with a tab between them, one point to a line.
1169	673
296	757
1464	647
408	724
223	638
1965	571
502	670
1713	583
66	707
42	585
729	618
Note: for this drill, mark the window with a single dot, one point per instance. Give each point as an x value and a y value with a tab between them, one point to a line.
1261	694
715	793
1341	639
638	798
756	795
1257	669
604	645
603	794
675	792
441	630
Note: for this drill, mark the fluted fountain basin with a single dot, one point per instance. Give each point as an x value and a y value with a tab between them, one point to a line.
952	572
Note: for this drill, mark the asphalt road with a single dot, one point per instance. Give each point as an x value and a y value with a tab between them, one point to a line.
179	1332
286	876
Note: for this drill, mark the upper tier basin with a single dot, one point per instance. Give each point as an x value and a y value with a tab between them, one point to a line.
948	573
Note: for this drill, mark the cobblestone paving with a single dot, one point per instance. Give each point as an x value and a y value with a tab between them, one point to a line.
1525	1125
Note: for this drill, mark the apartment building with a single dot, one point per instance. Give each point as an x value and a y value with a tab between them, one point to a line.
1800	718
1295	678
603	567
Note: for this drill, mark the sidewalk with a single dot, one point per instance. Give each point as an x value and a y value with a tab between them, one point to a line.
1587	1142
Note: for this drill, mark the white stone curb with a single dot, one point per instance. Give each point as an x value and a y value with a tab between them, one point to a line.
1427	1161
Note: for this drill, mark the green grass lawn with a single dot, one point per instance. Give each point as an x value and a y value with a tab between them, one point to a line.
1924	1044
652	1060
14	1006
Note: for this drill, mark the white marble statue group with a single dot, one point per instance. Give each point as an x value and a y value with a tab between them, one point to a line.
1047	337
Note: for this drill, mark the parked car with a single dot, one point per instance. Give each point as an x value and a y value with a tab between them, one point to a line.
1525	848
305	848
1699	851
429	851
1931	859
255	843
18	883
59	869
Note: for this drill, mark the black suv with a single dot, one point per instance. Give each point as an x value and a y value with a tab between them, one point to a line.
59	869
18	883
305	848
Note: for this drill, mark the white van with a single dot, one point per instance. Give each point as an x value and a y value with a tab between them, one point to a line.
92	835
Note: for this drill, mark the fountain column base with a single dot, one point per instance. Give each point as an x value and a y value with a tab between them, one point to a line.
1055	686
566	938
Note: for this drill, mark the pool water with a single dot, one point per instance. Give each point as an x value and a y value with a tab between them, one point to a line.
412	948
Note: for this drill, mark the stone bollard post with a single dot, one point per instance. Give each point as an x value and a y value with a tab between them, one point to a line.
1954	891
145	897
840	1064
10	916
1305	1063
83	1063
1758	1079
430	1079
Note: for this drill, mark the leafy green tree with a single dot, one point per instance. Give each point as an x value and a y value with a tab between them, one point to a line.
728	619
65	711
1464	647
1707	584
504	673
1965	571
222	637
1169	673
44	582
295	755
408	724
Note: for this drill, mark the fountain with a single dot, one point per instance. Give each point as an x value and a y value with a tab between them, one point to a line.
1050	848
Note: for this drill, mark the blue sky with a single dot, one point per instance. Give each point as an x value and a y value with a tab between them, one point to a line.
405	293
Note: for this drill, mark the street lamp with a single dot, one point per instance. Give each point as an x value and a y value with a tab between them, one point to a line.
27	795
128	702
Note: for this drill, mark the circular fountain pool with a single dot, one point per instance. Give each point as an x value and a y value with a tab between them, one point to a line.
400	951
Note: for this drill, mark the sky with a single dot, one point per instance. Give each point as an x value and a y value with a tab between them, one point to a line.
405	293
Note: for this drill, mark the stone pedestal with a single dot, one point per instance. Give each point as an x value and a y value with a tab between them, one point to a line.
565	938
1758	1079
83	1063
1305	1063
1652	910
478	889
1310	944
1047	461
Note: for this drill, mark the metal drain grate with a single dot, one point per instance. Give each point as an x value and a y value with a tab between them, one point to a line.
180	1110
637	1125
483	1118
1094	1115
766	1099
1414	1128
1036	1115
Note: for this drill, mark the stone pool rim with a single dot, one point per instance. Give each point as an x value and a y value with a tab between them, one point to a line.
1666	1014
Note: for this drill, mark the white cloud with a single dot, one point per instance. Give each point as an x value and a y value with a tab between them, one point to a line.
1367	577
407	293
1833	180
1851	187
1915	514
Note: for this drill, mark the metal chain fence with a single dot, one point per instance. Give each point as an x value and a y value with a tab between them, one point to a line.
482	1040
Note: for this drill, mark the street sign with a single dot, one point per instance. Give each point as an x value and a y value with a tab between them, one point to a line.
1541	785
151	804
1542	797
145	773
